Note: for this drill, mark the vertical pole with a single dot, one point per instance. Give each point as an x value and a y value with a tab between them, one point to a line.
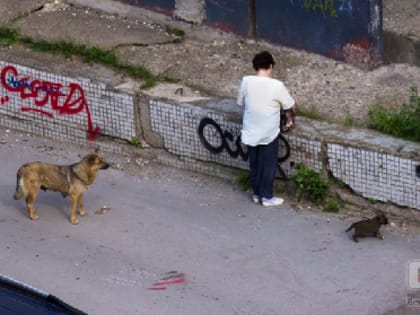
252	31
375	30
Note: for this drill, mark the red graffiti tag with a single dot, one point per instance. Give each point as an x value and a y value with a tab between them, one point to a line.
4	100
44	93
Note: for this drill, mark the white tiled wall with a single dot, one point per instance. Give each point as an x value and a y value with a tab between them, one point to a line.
371	173
111	112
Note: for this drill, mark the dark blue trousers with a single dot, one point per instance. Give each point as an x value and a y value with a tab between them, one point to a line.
262	165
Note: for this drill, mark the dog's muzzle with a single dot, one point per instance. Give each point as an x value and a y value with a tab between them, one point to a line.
106	165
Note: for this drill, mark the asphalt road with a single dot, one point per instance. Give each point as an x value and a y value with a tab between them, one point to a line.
214	250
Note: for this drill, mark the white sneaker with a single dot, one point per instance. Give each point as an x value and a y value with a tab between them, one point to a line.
256	198
272	202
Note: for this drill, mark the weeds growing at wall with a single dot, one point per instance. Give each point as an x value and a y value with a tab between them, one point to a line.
310	184
9	36
331	205
403	122
244	180
349	122
136	143
174	31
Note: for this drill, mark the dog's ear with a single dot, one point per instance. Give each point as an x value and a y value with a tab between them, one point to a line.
378	213
92	159
96	150
382	218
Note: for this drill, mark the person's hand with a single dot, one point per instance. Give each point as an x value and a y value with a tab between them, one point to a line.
289	125
289	120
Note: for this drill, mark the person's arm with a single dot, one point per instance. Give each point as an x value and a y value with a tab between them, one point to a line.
240	97
288	105
284	97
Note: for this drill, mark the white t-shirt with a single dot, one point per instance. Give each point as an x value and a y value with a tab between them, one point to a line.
263	98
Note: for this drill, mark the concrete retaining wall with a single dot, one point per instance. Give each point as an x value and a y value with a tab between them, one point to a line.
201	133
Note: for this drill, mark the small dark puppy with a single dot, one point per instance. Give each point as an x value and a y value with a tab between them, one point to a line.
368	227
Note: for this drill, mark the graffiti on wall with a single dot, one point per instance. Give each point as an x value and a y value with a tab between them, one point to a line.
215	140
325	6
49	98
328	7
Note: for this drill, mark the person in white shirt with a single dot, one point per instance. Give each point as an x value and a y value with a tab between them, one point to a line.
263	97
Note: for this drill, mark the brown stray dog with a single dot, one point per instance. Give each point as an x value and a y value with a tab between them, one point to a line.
368	227
71	180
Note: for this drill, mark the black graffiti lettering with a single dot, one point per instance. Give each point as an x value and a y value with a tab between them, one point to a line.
239	151
233	145
229	138
203	123
226	139
285	149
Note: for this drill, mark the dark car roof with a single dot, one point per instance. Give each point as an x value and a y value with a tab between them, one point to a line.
19	298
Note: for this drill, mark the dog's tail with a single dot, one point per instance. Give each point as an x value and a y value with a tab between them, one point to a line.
351	226
19	189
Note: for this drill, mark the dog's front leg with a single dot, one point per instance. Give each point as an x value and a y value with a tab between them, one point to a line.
355	236
30	198
80	208
73	207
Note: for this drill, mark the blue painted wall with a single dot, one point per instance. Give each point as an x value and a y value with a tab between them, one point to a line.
228	15
322	26
326	27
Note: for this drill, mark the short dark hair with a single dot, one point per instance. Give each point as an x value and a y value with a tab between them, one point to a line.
263	60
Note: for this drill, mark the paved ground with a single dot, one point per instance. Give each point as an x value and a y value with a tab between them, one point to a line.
235	257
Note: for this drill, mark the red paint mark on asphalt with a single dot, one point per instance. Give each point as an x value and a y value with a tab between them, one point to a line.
169	279
180	280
